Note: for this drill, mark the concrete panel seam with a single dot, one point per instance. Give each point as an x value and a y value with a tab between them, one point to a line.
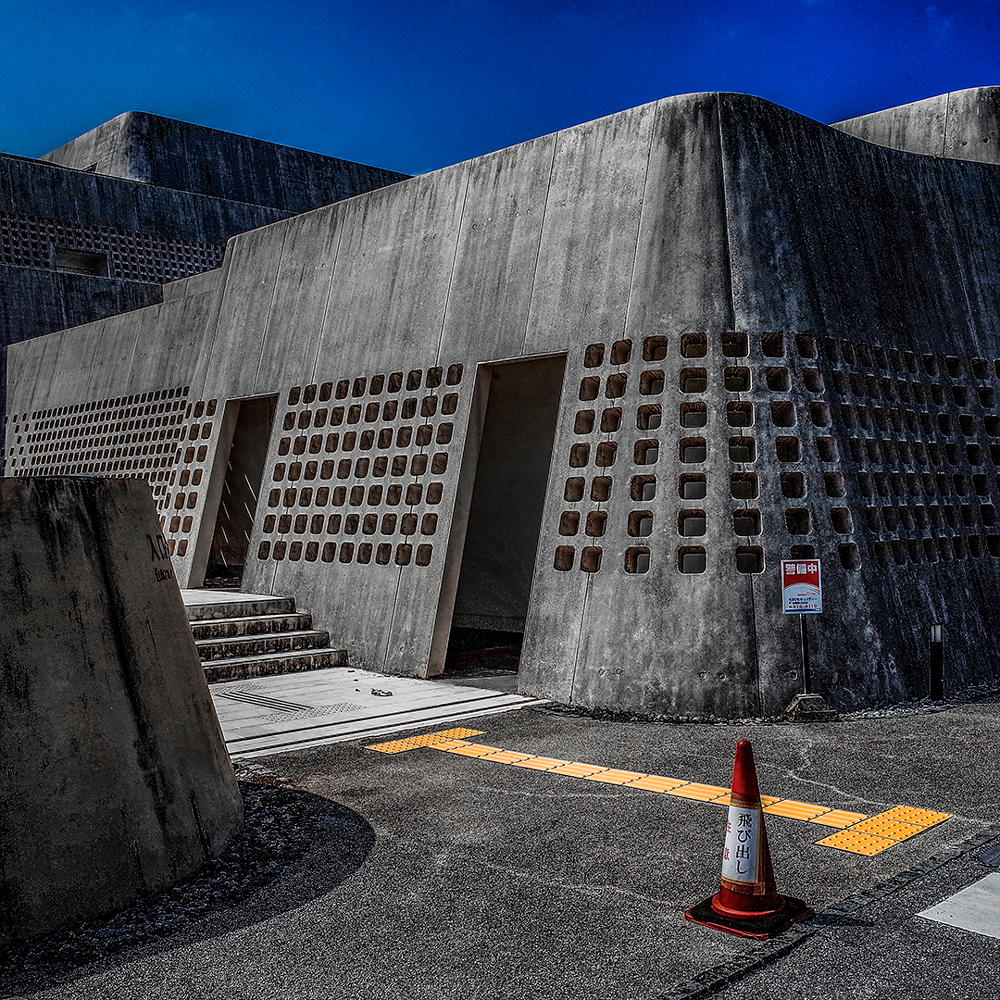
638	226
454	268
728	266
329	297
270	305
392	618
538	245
944	132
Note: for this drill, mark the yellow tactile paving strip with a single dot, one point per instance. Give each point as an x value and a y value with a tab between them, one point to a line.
540	763
857	833
577	770
920	817
703	793
469	749
613	776
504	757
427	739
874	834
653	783
838	817
796	810
857	843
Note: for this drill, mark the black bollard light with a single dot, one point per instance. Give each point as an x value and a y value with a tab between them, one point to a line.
935	685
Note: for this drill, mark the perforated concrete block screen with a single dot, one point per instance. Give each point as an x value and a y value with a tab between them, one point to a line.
882	401
356	480
104	251
159	436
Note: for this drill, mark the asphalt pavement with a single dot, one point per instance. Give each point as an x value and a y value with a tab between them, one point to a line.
435	874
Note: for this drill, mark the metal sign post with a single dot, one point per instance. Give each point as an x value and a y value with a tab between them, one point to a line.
802	594
805	654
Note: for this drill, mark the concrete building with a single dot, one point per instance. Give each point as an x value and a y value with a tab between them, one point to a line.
98	226
592	388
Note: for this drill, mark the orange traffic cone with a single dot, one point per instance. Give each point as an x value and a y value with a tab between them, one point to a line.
747	904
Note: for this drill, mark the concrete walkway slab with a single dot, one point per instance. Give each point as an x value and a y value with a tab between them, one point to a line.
200	596
269	715
275	714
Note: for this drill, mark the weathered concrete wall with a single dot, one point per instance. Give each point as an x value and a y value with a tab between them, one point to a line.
161	201
49	191
40	302
882	266
146	235
113	773
142	147
668	644
744	299
964	124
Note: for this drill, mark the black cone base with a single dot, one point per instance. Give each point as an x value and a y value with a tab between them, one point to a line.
761	928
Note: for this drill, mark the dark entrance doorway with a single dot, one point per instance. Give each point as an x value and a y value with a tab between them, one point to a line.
250	420
504	518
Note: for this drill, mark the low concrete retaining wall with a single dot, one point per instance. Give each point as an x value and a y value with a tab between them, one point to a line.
114	776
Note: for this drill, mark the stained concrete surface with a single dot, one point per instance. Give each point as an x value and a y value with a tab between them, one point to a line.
167	153
489	881
962	125
114	780
833	298
779	275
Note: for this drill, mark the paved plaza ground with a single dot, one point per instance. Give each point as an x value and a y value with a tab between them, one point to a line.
435	874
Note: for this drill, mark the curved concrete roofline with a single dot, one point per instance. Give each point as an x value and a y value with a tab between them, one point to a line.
139	113
994	90
139	121
732	98
958	125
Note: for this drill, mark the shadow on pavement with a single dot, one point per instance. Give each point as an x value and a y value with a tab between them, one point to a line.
295	847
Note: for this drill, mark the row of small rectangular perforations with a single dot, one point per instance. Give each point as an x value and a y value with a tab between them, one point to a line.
29	241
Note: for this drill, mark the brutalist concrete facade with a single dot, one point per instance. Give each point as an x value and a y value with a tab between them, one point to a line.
964	124
595	386
98	226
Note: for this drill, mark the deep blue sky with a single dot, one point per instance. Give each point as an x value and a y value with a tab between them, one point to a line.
414	85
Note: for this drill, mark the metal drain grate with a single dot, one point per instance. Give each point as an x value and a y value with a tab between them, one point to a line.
990	855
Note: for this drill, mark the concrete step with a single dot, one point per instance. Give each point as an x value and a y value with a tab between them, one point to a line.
253	635
241	667
227	628
259	645
240	609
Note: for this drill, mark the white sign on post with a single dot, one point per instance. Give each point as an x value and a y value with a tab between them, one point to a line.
801	588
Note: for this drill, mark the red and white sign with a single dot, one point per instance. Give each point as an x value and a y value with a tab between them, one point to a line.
801	590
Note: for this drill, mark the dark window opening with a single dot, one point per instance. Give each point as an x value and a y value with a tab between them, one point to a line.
80	262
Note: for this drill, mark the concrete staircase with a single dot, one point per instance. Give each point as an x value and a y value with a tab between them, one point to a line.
257	637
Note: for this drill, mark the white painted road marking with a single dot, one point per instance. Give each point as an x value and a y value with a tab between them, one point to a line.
975	909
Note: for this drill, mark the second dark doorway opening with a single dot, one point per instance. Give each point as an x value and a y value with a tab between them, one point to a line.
505	515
